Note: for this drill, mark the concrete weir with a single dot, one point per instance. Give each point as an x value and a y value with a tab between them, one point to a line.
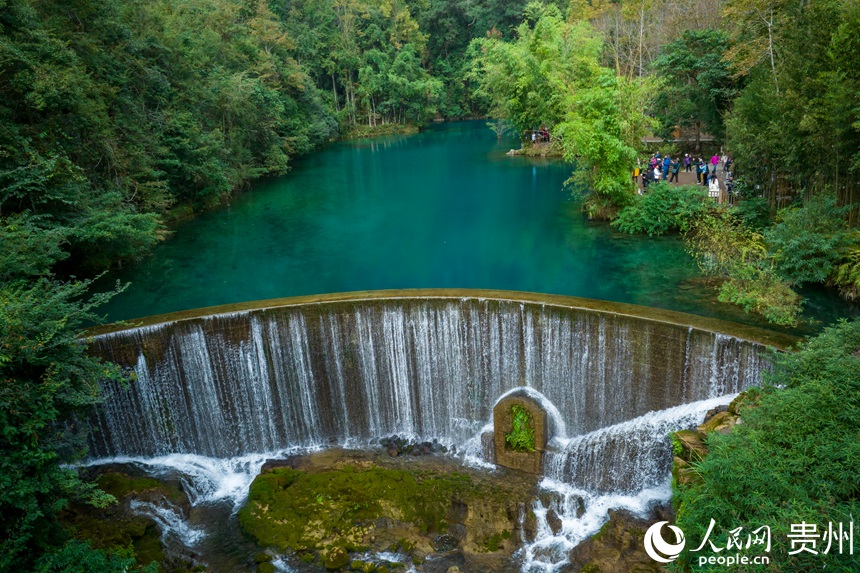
349	368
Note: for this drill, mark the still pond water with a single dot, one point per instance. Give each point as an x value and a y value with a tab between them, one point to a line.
444	208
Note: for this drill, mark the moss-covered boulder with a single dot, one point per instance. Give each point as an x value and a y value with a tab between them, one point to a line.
722	422
336	558
689	445
331	505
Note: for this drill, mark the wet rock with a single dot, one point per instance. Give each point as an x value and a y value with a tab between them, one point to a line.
443	563
554	521
445	543
617	547
273	464
714	411
458	531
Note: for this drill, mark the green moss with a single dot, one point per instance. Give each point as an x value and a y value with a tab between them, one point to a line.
262	558
590	568
521	438
293	509
266	568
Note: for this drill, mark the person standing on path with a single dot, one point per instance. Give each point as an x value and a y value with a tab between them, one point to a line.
676	166
714	188
667	162
715	160
687	162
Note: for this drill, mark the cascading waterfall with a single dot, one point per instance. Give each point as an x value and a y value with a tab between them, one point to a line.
625	457
171	522
624	466
347	372
213	396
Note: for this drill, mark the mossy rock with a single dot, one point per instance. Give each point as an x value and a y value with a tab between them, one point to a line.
117	526
744	400
683	472
296	510
722	422
692	444
266	568
337	558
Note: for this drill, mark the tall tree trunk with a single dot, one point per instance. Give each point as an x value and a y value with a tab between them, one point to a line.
334	89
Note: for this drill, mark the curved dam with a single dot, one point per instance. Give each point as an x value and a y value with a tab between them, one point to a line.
348	368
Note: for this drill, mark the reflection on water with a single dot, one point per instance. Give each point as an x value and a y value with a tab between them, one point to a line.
444	208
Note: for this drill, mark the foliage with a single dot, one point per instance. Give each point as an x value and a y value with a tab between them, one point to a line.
47	380
521	438
697	85
551	75
663	209
754	212
114	111
727	249
846	273
807	240
795	123
795	458
79	557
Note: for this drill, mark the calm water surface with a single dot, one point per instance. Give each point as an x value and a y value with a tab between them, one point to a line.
444	208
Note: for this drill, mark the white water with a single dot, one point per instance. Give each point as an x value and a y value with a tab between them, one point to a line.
170	521
205	479
347	373
640	455
212	393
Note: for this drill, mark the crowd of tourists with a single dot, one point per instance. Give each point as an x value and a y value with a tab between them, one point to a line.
666	168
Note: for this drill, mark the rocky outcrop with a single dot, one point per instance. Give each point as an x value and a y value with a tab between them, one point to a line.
617	547
118	526
343	509
690	446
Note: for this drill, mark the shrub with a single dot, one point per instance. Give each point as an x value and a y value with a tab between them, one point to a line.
663	209
808	240
846	272
727	249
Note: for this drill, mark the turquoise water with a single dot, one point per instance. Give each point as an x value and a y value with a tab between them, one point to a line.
444	208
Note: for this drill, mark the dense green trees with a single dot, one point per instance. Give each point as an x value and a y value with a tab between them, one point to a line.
552	75
795	458
697	83
794	127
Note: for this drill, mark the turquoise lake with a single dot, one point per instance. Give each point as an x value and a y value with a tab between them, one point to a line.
443	208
